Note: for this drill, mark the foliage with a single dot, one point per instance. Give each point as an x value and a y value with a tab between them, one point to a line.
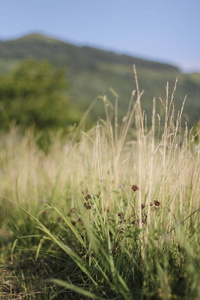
35	93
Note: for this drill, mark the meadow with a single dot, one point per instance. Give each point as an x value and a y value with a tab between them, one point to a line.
111	213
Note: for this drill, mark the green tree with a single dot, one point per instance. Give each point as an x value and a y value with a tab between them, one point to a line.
35	93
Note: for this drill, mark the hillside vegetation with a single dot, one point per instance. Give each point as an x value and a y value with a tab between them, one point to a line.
92	72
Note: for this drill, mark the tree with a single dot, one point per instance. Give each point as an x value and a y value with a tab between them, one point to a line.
35	93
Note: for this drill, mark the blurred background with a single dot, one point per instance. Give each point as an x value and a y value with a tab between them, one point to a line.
56	57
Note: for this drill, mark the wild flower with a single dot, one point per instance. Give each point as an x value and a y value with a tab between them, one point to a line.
88	197
80	221
121	215
157	203
87	205
73	223
135	187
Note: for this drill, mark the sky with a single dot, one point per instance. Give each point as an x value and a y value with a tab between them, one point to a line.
161	30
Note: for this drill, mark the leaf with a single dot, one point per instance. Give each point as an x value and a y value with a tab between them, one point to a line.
76	289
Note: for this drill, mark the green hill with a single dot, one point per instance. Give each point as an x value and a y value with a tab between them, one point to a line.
92	72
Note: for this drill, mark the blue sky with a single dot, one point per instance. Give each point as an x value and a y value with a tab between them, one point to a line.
167	31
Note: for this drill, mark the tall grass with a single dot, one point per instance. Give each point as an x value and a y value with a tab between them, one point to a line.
113	214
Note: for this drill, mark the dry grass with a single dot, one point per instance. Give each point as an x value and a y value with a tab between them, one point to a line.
162	160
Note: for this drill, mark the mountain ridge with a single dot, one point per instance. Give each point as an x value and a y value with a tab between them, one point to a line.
52	41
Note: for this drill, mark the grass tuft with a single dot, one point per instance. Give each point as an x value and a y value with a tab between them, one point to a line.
112	213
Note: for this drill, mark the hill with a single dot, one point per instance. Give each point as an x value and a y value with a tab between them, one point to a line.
92	72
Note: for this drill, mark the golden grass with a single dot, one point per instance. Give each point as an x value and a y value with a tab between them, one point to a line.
120	171
166	167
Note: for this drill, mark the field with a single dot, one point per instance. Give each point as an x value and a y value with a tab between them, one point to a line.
112	213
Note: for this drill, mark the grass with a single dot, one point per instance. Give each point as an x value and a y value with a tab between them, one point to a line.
112	213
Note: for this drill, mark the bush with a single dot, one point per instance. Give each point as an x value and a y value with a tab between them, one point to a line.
35	93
